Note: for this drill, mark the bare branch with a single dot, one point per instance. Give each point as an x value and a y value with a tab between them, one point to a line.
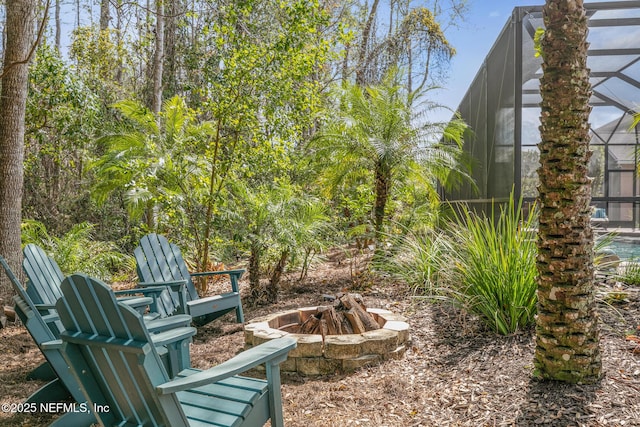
35	44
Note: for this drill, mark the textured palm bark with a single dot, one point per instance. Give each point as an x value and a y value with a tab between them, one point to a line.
383	187
567	344
254	271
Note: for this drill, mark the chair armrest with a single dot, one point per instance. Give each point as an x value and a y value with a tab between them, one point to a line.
154	290
175	285
50	317
238	273
45	306
173	335
51	345
271	352
167	323
234	276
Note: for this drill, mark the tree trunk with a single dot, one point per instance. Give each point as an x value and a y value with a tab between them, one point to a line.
383	185
105	15
345	64
362	65
158	59
254	271
20	22
58	26
120	65
172	30
567	344
274	282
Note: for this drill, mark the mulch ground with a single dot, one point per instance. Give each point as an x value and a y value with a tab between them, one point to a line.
455	373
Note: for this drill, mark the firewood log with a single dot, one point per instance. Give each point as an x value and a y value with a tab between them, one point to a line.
356	323
367	319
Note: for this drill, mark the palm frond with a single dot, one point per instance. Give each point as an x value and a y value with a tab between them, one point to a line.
139	114
174	112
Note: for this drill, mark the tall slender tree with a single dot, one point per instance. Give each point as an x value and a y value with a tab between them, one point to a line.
158	60
58	24
105	15
20	23
414	39
567	344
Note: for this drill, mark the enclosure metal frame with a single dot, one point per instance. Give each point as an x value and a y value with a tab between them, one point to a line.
484	143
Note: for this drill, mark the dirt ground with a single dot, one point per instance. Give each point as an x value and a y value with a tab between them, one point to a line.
454	374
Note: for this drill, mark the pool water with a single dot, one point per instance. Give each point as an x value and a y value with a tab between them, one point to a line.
625	248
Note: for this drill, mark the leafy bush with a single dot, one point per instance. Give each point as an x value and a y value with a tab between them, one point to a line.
485	265
417	258
77	252
493	263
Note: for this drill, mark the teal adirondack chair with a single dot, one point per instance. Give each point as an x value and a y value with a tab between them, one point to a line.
44	279
159	262
108	347
45	327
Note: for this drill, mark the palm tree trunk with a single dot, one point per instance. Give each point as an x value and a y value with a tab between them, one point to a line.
383	185
254	271
567	345
274	282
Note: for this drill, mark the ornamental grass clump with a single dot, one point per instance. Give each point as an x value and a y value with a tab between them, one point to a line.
629	272
493	273
417	258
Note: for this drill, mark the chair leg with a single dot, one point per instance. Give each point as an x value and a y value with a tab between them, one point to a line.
275	394
54	391
239	314
179	357
75	419
43	372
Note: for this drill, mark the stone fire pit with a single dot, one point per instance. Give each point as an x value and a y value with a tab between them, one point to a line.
315	356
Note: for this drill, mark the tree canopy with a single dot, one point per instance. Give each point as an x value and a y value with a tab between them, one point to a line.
276	124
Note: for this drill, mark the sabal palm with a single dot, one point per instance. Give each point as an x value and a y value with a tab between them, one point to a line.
376	135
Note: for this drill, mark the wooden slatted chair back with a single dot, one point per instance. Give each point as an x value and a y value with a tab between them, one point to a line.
110	351
45	329
160	261
42	329
44	279
42	272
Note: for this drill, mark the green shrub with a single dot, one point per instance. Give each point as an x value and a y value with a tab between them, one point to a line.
416	258
77	251
487	266
493	272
